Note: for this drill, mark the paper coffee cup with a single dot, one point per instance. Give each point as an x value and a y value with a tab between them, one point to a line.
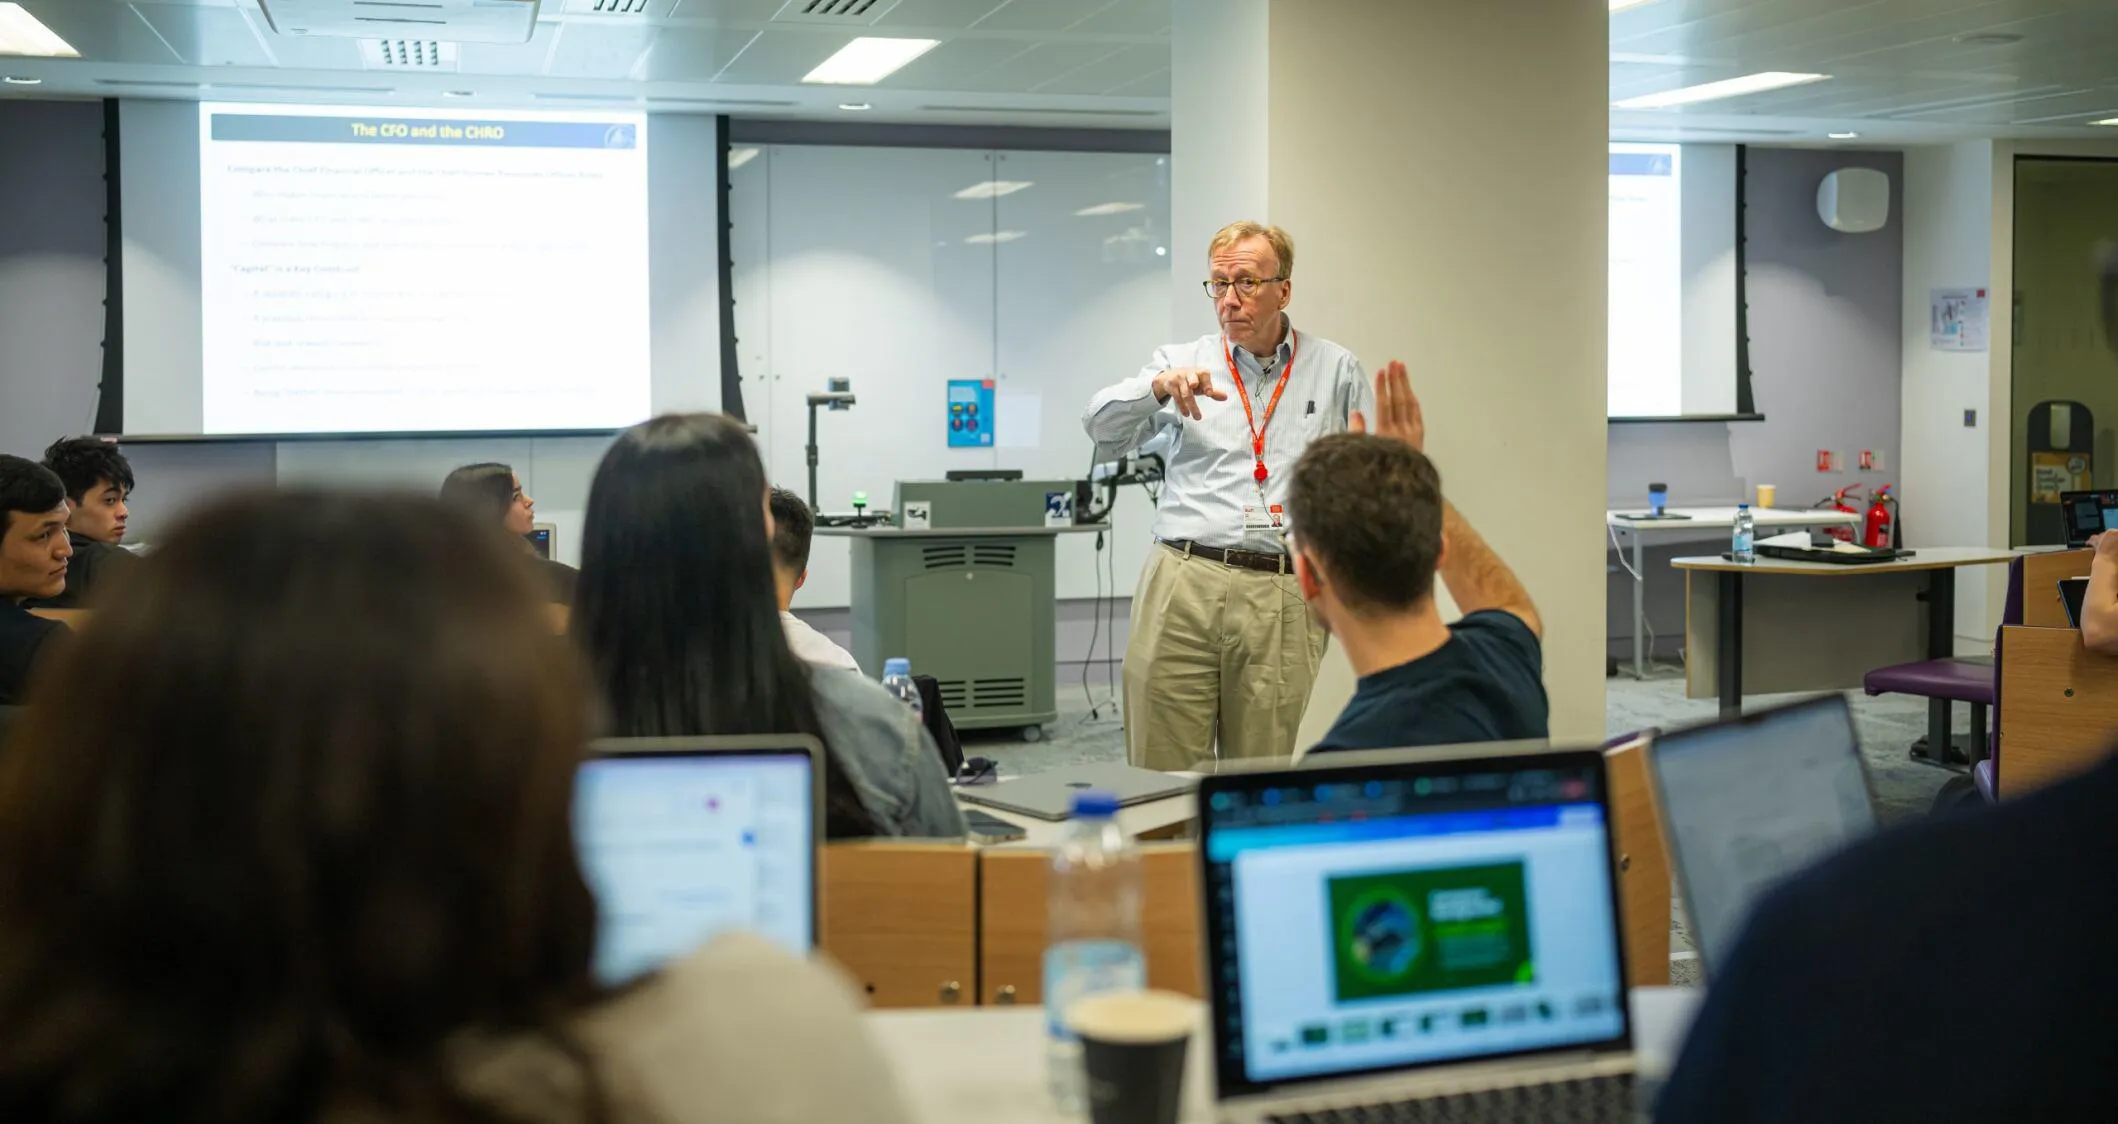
1766	494
1133	1045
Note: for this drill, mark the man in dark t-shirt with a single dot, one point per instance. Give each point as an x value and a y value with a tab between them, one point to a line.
98	482
1371	532
34	551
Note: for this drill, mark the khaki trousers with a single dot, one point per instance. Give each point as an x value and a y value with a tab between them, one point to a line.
1218	655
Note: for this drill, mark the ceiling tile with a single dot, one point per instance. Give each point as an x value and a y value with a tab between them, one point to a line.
104	32
1154	85
207	36
1040	15
1043	63
509	58
600	48
1115	69
1127	17
297	53
944	67
955	15
780	58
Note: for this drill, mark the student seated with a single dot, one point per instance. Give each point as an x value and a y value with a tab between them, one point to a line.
493	491
1370	532
792	528
678	616
98	481
1957	969
34	552
319	867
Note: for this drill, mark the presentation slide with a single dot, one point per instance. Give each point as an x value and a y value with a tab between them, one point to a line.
1437	941
679	849
394	270
1646	298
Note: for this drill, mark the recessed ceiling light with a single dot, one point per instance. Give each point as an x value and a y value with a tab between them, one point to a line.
996	236
855	106
1726	88
456	93
993	189
22	34
1161	251
21	80
737	157
868	60
1843	136
1109	209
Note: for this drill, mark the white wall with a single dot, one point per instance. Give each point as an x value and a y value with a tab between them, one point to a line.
51	271
858	263
1948	469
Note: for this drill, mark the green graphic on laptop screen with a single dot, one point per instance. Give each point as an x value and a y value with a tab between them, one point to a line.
1415	932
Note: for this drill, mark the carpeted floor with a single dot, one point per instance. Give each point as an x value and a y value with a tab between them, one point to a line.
1904	789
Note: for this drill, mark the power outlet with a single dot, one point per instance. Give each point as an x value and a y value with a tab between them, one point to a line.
1826	460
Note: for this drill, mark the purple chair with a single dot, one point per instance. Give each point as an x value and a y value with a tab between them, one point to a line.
1975	682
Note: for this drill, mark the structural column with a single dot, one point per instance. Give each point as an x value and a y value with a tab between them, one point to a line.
1442	165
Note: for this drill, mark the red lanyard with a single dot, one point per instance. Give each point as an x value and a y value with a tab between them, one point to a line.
1257	428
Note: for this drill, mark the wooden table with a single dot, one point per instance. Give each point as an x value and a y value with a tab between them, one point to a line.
986	1065
1701	522
1820	627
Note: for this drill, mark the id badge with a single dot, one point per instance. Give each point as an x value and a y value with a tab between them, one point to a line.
1258	517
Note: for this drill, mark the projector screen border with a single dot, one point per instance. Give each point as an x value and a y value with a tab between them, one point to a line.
1662	419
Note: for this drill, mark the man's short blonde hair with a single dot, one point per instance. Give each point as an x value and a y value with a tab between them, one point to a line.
1281	242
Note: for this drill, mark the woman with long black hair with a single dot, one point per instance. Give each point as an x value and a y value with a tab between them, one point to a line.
679	618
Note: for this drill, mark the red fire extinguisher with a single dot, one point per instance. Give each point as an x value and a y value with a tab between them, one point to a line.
1875	528
1843	501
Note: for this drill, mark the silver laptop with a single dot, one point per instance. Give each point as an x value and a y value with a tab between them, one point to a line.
1050	795
684	838
1391	933
1749	800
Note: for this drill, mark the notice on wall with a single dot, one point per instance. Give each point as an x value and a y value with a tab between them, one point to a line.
2055	472
1958	319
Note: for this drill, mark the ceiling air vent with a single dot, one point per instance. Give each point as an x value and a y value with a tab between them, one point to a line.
612	7
407	54
454	21
856	13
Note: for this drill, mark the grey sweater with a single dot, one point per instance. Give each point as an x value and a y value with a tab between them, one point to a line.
887	754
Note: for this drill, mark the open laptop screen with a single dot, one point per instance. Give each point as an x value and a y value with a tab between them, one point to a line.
1749	800
679	846
1380	917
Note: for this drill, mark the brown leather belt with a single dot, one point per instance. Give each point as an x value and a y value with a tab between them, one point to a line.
1240	559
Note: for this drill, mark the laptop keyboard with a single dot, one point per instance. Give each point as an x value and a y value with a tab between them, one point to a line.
1592	1100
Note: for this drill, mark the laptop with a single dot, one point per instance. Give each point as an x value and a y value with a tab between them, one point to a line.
1747	801
1425	937
1050	795
2074	593
685	838
2088	513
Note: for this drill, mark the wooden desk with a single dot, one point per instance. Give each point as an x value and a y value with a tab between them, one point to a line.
2059	712
1702	523
984	1065
1810	626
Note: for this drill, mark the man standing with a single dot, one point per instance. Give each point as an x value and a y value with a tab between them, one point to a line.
1223	651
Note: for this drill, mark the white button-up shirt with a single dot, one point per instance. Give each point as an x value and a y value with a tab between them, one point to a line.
1210	461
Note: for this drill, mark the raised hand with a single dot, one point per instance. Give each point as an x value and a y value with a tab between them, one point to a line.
1397	411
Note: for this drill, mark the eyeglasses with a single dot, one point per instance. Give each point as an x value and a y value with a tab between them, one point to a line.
1248	286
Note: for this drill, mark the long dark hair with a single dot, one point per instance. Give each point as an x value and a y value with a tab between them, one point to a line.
486	489
286	818
677	610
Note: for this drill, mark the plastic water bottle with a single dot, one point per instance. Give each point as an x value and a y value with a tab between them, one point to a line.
897	679
1743	547
1094	931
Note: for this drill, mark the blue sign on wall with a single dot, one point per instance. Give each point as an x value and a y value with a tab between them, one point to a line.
970	413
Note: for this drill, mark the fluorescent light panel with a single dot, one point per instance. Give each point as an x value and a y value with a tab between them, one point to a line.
1621	5
23	34
737	157
2106	121
1726	88
1108	209
993	189
868	60
1843	136
996	236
